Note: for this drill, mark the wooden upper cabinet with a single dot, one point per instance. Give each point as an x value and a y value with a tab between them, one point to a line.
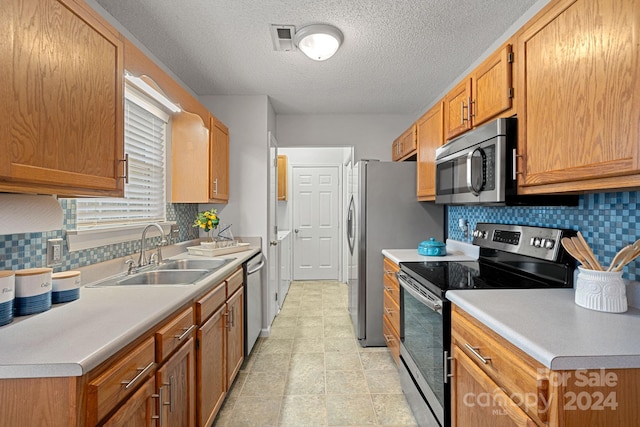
219	162
60	117
430	137
282	177
189	154
405	145
579	97
486	94
457	117
492	86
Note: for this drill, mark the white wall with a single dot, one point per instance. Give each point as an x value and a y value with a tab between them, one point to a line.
246	117
370	134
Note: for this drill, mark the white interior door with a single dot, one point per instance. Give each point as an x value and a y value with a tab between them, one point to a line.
316	225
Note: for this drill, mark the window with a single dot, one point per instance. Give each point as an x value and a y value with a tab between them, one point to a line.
145	129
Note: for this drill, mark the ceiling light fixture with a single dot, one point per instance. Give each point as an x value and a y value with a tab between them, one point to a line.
318	42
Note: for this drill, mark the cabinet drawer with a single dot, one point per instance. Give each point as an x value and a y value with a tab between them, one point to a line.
391	311
391	338
107	390
209	303
174	334
392	288
234	282
509	367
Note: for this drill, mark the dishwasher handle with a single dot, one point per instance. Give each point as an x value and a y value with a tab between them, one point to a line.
255	269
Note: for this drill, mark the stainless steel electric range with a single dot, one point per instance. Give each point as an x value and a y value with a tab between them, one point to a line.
511	256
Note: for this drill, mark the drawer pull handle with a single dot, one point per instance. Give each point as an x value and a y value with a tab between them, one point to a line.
388	289
185	333
389	338
141	374
476	353
388	272
386	310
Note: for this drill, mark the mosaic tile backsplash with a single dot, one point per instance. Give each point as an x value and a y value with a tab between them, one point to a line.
28	250
608	221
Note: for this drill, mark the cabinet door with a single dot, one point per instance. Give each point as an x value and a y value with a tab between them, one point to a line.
189	159
430	137
492	86
176	379
211	378
477	401
219	160
578	97
408	142
282	177
457	117
139	410
235	340
61	126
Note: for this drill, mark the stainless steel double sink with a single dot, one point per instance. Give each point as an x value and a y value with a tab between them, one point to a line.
172	272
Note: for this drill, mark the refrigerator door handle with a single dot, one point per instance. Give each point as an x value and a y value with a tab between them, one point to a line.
350	225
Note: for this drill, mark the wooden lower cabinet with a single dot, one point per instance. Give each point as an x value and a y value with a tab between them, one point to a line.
235	337
212	367
496	384
140	410
176	381
478	401
391	309
220	345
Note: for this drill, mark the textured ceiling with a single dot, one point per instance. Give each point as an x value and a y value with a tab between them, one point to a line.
397	56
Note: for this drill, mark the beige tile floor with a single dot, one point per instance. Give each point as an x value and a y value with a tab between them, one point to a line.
312	372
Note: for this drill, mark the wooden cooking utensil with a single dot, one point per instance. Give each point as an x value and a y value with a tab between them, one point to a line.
631	255
589	252
584	253
619	257
570	247
625	256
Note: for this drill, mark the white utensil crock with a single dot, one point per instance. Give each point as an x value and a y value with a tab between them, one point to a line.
601	290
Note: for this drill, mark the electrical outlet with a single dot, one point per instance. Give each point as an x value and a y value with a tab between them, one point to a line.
175	231
54	252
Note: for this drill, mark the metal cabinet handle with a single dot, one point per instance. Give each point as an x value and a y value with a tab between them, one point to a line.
389	338
126	168
386	310
388	289
476	353
228	322
447	359
233	316
389	272
469	110
141	374
186	332
462	108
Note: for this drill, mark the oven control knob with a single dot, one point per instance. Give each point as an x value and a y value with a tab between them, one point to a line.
549	244
532	242
537	242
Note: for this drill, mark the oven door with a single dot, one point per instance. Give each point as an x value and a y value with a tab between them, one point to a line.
424	338
474	175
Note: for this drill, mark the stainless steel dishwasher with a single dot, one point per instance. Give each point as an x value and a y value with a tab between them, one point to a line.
252	300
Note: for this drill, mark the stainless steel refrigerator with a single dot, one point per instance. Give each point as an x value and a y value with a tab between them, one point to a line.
383	213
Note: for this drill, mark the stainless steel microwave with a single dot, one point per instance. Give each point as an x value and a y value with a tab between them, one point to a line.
478	168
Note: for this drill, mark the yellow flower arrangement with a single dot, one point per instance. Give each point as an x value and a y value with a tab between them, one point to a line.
207	220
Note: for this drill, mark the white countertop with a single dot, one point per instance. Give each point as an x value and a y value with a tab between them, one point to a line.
75	337
456	251
550	327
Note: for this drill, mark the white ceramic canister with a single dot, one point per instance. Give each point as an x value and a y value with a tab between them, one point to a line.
66	286
7	295
33	291
601	290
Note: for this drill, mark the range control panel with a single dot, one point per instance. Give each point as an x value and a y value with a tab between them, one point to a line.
538	242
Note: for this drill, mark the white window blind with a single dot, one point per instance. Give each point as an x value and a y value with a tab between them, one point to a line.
145	128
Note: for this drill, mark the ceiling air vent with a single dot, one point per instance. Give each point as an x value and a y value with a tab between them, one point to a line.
282	36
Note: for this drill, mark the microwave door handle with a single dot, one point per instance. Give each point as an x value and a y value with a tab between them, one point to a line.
470	186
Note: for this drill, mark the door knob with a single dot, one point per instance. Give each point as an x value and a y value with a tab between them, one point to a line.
273	242
296	230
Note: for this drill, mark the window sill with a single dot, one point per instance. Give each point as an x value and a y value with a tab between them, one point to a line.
78	240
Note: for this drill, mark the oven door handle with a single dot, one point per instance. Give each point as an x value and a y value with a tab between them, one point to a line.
435	305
